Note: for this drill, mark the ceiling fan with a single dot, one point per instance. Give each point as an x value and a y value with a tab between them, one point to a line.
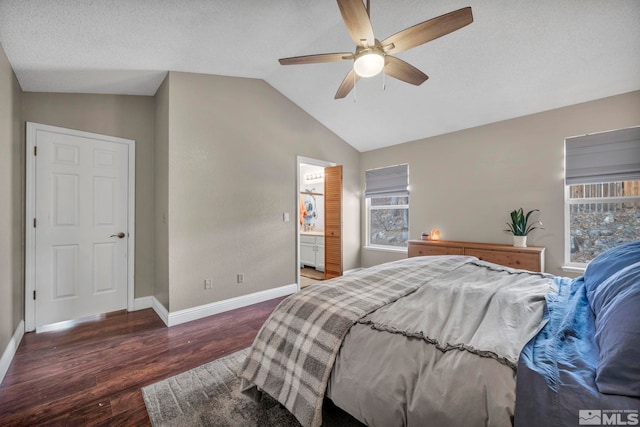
373	56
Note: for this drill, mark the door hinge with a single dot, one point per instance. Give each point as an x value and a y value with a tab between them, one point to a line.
34	294
34	223
35	150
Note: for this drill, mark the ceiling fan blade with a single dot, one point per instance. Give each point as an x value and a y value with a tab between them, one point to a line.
315	59
428	30
356	18
347	84
404	71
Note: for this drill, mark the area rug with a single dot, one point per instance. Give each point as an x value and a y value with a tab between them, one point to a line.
209	395
312	273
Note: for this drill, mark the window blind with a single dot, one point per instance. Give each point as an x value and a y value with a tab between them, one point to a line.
387	182
603	157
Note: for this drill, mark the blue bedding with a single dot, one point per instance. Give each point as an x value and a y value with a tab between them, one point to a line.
556	380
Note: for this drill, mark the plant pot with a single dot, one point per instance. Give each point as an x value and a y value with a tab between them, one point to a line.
520	241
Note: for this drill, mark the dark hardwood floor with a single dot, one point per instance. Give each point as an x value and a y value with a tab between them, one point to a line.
91	373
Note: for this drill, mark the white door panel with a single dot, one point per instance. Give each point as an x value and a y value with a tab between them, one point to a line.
81	204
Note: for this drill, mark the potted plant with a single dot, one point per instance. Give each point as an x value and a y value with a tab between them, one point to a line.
520	227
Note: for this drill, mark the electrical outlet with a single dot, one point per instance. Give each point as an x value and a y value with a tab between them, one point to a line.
285	217
240	277
208	283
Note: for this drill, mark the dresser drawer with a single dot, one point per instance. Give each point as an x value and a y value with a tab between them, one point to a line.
529	258
419	250
518	260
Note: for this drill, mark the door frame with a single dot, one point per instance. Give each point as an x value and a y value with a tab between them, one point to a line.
306	161
30	213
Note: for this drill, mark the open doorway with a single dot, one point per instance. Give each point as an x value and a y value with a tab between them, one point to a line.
311	220
317	211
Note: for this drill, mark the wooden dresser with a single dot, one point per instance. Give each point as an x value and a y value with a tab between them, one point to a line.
530	258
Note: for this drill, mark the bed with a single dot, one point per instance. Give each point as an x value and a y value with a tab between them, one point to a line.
439	340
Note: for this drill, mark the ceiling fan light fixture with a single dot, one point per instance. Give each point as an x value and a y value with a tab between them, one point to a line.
373	56
368	64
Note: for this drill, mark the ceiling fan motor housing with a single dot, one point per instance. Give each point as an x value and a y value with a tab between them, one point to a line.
369	61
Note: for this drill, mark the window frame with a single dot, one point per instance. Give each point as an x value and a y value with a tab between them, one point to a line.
579	267
369	208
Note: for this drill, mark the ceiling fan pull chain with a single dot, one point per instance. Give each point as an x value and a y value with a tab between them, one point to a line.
384	81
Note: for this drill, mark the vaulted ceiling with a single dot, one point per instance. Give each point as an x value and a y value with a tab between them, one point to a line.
518	57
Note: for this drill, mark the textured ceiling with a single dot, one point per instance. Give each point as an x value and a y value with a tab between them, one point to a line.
518	57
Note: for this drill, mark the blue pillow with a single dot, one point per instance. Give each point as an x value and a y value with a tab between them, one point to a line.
608	263
616	303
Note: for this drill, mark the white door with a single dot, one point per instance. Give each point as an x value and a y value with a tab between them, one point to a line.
81	228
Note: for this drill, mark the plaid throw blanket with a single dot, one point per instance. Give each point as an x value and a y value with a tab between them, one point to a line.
293	354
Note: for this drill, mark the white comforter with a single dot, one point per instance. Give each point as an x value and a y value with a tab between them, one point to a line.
444	355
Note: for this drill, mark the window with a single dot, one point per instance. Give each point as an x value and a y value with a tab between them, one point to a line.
602	216
387	198
602	195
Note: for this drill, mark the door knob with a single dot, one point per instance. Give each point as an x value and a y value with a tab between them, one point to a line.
119	235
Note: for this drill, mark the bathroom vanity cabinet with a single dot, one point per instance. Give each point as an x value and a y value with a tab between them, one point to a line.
312	251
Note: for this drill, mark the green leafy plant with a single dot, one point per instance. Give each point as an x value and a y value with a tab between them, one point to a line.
519	224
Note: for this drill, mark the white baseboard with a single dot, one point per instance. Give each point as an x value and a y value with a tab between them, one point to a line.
195	313
10	350
161	311
142	303
152	302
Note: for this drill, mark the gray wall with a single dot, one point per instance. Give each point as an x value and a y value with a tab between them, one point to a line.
115	115
11	204
215	170
465	183
161	191
233	145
